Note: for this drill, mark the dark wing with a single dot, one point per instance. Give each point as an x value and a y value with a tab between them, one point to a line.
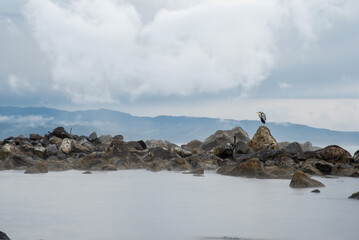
263	118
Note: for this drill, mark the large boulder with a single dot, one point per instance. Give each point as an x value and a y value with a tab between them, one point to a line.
67	145
60	132
118	148
334	154
35	137
302	180
192	145
38	167
160	143
343	169
293	148
251	168
222	138
241	147
263	139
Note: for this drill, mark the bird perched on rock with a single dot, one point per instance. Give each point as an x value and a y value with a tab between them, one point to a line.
262	117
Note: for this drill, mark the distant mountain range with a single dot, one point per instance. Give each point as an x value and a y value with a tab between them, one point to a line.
16	121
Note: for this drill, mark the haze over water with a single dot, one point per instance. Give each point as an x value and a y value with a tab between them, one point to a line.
138	204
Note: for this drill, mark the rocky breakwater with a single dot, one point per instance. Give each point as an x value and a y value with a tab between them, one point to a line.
232	152
263	157
59	151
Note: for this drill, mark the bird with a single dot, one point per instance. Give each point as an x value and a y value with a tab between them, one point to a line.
262	117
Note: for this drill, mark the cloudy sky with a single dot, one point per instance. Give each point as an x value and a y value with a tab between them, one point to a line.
296	60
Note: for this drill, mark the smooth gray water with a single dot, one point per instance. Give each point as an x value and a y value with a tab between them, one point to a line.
169	205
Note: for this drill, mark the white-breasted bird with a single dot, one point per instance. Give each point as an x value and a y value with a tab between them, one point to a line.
262	117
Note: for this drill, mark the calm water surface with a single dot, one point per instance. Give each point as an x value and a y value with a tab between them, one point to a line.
138	204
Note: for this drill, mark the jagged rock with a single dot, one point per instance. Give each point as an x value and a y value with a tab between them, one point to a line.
356	157
160	143
302	180
222	138
135	145
204	160
85	143
280	173
67	145
109	167
286	163
159	153
251	168
105	139
354	196
192	145
3	236
55	140
324	167
56	165
60	132
38	167
90	161
118	148
143	144
38	150
263	139
118	137
307	146
180	164
293	148
17	160
343	169
241	147
355	174
35	137
305	155
223	151
334	154
93	136
310	169
181	152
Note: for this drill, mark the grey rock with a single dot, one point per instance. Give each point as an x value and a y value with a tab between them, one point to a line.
105	139
241	147
354	196
222	138
293	148
302	180
60	132
93	136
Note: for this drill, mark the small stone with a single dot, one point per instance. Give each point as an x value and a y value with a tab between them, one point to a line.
87	172
354	196
316	191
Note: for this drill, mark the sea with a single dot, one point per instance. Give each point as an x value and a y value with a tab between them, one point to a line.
144	205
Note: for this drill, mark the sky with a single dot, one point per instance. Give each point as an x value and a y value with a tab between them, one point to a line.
295	60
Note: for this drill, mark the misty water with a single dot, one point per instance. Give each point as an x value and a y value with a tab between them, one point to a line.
138	204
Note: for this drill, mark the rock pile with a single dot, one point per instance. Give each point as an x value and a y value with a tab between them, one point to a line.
232	152
58	151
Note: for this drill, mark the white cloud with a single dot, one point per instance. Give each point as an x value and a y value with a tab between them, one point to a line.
26	121
102	50
19	84
10	26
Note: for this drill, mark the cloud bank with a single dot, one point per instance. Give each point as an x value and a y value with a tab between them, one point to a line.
104	50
